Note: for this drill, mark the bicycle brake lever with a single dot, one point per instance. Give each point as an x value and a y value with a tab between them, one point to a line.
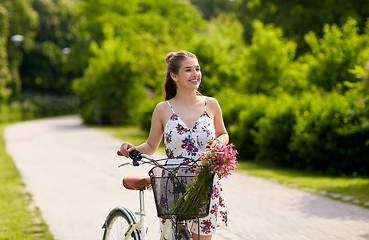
123	164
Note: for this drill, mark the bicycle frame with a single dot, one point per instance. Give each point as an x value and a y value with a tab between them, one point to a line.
168	232
170	226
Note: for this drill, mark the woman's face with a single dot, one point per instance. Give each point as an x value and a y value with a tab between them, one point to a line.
189	74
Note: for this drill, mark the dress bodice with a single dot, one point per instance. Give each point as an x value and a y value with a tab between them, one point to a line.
181	141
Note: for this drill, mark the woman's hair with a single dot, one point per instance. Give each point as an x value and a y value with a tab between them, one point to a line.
174	61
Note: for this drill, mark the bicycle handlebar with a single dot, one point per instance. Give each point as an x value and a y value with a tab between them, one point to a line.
135	155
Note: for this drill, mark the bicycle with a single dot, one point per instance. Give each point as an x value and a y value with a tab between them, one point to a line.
169	180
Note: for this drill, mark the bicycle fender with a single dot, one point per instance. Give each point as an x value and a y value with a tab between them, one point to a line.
122	209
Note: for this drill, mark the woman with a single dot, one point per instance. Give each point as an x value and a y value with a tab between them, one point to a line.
188	122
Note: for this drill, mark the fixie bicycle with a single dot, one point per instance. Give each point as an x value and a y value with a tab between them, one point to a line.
169	182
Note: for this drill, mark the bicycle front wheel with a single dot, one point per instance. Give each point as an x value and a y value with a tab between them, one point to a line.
118	226
184	234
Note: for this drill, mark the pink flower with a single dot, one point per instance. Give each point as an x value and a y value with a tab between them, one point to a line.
220	158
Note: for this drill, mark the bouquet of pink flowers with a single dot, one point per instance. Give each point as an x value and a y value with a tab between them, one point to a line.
219	159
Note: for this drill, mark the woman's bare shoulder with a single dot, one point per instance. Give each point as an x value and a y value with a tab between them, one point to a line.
161	106
212	102
162	109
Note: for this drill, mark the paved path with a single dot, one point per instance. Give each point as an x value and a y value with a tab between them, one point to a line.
72	173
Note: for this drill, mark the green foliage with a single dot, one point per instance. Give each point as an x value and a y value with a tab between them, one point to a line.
267	60
266	85
111	89
43	65
146	110
328	136
5	76
220	48
274	129
149	28
126	60
314	131
297	18
240	117
213	8
333	55
361	90
36	105
23	22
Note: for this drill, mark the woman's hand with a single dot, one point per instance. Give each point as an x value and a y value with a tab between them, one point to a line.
215	141
125	149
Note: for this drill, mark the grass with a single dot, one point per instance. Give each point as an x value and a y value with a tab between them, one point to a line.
356	187
19	218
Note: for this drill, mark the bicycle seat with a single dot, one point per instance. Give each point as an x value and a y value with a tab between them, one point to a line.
135	182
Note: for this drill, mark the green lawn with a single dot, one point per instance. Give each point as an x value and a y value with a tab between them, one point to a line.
334	187
19	218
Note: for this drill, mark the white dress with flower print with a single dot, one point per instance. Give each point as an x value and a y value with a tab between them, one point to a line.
181	141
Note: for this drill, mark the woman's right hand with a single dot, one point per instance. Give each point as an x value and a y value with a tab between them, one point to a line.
125	149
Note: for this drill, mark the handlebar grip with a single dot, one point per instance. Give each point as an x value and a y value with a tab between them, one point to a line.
135	155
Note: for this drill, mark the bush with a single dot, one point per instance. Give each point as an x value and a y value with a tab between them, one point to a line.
267	60
144	119
315	131
111	90
328	136
332	56
274	130
36	105
220	50
240	115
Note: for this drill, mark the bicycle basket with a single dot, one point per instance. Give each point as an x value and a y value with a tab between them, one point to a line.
169	183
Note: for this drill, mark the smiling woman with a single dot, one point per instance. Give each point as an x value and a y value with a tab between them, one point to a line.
181	65
188	121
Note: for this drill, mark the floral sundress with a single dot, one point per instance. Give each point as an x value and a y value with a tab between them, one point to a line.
181	141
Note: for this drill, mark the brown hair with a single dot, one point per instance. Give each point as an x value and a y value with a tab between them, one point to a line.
174	61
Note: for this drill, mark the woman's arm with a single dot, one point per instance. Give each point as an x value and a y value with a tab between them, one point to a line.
156	133
221	133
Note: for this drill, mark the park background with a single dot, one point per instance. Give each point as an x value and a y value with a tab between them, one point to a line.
291	76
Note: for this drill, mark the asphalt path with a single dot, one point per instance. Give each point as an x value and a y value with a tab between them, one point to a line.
71	171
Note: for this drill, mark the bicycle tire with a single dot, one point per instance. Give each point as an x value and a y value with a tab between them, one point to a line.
184	234
118	224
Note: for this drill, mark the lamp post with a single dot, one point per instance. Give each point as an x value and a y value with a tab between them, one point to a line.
66	50
17	85
17	39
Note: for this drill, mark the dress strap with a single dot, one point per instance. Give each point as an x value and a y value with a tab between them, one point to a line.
170	106
206	101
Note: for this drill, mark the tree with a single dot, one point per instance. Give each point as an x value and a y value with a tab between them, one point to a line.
142	32
42	66
267	60
220	49
20	19
213	8
297	17
339	50
111	85
5	76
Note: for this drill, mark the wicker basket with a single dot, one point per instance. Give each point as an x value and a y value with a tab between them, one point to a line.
169	183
